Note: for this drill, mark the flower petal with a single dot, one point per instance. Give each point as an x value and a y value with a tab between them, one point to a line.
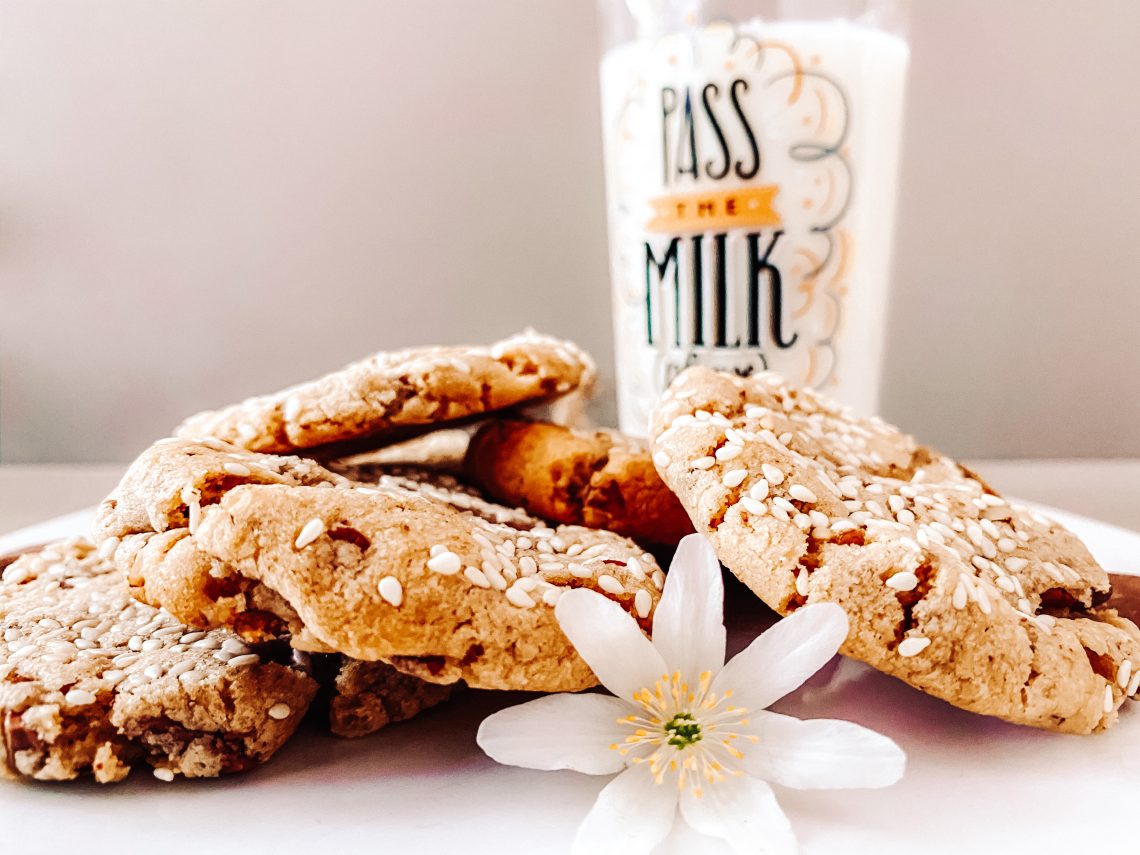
781	659
558	732
604	634
821	754
743	811
688	625
632	815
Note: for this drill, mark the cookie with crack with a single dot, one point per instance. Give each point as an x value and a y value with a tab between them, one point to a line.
948	586
392	395
367	696
436	581
94	682
600	479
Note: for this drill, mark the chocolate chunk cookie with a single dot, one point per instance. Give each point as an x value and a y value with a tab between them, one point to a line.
602	479
436	581
948	586
389	395
92	681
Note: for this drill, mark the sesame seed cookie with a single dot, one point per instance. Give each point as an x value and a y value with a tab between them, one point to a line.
92	681
389	395
367	696
435	580
948	586
602	479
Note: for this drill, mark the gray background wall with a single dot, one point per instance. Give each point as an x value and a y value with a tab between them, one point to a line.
203	199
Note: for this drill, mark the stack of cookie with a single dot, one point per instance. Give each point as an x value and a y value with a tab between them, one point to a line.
348	543
245	566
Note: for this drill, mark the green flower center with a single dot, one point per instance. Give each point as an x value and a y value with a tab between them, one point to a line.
682	730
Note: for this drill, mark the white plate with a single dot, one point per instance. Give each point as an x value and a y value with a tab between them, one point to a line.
972	783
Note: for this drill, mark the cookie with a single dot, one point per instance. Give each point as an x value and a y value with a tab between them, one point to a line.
948	586
436	581
389	395
602	479
94	682
367	696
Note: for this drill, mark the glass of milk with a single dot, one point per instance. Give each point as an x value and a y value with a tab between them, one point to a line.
751	159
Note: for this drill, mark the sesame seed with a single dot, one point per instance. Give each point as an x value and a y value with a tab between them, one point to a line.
313	529
913	646
610	585
1005	544
1134	686
801	493
960	596
232	645
802	582
1124	674
661	459
279	711
1108	699
1015	565
518	597
580	570
494	576
236	469
906	516
437	549
642	603
292	408
755	412
551	596
658	579
245	659
757	509
391	591
475	577
445	563
759	490
1005	583
703	463
982	599
194	517
527	566
728	452
802	521
903	581
634	568
734	478
164	774
79	697
772	474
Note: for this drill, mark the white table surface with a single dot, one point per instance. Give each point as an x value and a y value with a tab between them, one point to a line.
972	783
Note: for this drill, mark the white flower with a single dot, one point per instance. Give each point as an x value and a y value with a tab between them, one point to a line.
686	728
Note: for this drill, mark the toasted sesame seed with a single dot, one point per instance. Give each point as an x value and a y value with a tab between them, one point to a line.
580	570
1124	674
164	774
610	585
391	591
960	596
759	490
642	603
757	509
445	563
494	576
801	493
913	646
802	587
279	711
1005	583
246	659
703	463
79	697
475	577
728	452
734	478
772	474
1015	564
1108	699
903	581
313	529
518	597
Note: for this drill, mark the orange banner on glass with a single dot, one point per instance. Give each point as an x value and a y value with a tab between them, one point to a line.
722	209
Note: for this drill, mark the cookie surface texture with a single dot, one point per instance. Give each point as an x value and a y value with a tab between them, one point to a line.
947	585
94	682
600	479
413	571
391	393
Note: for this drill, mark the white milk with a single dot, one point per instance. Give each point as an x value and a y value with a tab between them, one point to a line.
750	176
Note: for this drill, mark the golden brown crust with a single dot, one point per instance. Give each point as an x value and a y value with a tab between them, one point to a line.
947	585
389	395
92	682
277	547
601	480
